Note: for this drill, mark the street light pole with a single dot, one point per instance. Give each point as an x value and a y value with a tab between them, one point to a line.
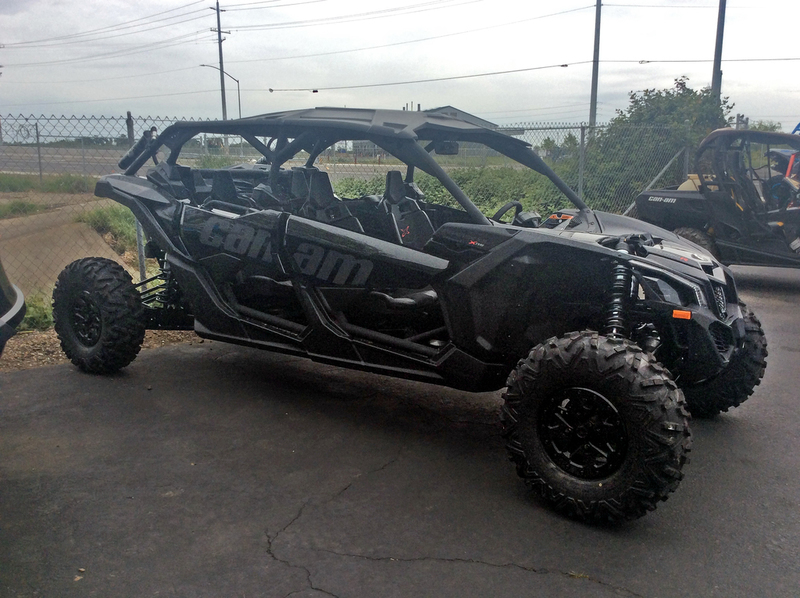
238	89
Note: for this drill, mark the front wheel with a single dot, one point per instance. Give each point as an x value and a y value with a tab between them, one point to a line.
596	427
736	382
98	315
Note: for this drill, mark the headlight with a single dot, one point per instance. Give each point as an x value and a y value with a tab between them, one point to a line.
668	292
677	292
699	295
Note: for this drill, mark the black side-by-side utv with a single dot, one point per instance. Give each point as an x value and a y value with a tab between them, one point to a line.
596	324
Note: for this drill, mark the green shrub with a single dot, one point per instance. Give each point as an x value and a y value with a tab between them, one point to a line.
39	313
16	183
51	183
489	188
117	221
18	208
355	188
68	183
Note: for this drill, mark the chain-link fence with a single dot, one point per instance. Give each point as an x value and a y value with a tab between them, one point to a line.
49	215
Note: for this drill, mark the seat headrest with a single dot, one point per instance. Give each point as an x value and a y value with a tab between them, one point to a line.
321	191
395	189
222	186
299	184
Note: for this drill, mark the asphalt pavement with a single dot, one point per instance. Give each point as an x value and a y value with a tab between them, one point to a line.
213	470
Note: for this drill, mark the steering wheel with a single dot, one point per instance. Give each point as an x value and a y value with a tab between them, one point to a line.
502	211
783	193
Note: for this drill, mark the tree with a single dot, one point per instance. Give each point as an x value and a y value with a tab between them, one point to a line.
769	126
674	107
624	157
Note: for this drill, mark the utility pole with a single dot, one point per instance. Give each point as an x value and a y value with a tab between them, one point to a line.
595	67
221	67
716	78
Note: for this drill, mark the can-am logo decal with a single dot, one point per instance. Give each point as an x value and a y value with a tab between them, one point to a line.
331	266
659	199
234	237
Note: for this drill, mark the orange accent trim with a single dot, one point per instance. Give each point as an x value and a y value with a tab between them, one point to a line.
681	314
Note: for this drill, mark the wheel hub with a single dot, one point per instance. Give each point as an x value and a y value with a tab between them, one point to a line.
86	320
583	433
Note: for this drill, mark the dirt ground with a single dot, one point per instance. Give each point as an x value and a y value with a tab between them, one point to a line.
35	349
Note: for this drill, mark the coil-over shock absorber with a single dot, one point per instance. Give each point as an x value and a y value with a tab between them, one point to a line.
616	314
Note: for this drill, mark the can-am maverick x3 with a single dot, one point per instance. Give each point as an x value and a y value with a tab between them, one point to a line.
593	322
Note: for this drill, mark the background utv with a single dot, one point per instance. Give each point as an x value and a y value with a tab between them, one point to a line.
743	203
580	317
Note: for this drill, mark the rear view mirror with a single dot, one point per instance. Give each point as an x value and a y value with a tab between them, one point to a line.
446	148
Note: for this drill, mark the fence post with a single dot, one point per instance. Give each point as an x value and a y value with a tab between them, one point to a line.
38	151
129	126
582	160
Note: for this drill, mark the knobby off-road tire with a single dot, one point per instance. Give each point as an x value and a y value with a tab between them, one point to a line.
700	238
98	315
596	427
736	382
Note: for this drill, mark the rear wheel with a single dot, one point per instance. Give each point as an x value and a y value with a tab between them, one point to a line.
596	427
736	382
98	315
700	238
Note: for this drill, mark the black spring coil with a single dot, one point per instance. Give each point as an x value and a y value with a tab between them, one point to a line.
165	293
616	309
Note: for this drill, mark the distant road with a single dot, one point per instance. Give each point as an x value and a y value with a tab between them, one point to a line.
59	160
99	161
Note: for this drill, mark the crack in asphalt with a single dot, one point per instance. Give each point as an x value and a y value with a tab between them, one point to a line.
271	539
270	551
538	571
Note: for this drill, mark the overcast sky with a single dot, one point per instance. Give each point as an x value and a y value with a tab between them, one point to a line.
105	57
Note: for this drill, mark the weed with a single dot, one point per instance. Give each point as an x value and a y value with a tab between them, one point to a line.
18	208
51	183
39	313
118	222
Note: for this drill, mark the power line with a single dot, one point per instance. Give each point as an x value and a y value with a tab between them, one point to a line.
178	40
512	71
660	6
229	9
117	35
536	109
255	5
158	95
414	41
147	74
700	60
434	80
377	14
123	25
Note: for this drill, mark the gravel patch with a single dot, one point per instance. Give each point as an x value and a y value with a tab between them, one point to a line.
35	349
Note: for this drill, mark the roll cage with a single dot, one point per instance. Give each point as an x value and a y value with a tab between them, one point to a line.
408	136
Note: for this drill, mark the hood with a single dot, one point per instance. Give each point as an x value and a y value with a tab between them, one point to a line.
650	242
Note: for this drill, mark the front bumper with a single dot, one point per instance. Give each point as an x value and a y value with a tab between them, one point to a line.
707	343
